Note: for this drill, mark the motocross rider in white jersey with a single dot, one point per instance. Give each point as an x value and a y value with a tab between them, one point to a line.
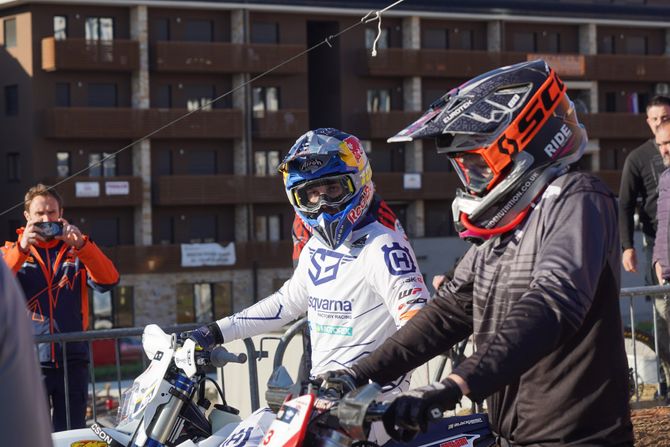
357	280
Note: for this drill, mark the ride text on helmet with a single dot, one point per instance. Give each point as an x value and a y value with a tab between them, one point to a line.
558	141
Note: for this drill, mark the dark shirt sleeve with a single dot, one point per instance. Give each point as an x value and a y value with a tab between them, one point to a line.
578	238
446	320
628	193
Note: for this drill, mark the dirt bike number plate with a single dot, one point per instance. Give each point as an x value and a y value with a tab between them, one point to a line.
288	429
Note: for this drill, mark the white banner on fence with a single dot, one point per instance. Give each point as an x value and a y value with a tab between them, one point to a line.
197	255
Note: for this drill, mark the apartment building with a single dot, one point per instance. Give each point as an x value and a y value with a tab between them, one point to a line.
190	207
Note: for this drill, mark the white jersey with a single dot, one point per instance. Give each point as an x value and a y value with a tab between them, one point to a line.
355	297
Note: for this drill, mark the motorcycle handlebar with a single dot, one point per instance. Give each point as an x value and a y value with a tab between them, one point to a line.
220	356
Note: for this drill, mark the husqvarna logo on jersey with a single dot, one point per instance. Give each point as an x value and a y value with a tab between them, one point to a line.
325	265
398	259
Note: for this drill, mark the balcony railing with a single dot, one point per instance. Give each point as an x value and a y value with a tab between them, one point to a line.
100	191
615	125
82	54
285	123
126	123
465	64
219	190
131	259
222	57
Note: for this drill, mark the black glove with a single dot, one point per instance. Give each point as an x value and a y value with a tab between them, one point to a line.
411	411
205	336
346	379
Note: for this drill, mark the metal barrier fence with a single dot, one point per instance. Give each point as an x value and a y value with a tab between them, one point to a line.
255	355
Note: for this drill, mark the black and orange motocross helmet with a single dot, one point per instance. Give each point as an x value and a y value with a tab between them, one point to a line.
508	133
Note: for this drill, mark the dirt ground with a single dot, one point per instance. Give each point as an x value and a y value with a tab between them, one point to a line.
652	427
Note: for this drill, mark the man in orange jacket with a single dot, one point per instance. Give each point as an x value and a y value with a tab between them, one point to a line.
55	263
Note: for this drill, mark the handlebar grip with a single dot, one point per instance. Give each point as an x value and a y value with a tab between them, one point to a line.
219	356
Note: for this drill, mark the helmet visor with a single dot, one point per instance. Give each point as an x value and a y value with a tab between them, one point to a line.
473	170
332	192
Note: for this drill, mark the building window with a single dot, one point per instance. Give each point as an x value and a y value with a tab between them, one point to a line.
11	100
552	42
268	228
200	97
62	94
105	231
124	307
636	45
265	99
99	28
163	163
201	162
160	29
465	40
13	167
166	230
264	32
202	229
102	95
203	302
610	102
163	98
437	39
199	31
114	308
371	35
10	33
438	219
101	309
60	27
105	169
379	101
266	162
606	44
62	164
524	41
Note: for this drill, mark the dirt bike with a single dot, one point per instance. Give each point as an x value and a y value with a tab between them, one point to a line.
165	406
321	418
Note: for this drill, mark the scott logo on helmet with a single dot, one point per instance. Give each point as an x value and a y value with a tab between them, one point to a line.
526	126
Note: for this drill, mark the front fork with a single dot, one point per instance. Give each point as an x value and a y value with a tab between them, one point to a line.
166	416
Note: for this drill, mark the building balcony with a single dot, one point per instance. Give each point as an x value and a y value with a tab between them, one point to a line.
623	67
285	123
436	63
382	125
401	62
434	186
86	192
131	259
94	55
222	57
127	123
627	126
219	190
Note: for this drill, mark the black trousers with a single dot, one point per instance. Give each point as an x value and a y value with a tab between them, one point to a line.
77	390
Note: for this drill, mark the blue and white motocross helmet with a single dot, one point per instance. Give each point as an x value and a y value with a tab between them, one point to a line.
331	160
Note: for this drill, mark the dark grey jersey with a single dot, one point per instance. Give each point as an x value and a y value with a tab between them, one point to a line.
543	305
